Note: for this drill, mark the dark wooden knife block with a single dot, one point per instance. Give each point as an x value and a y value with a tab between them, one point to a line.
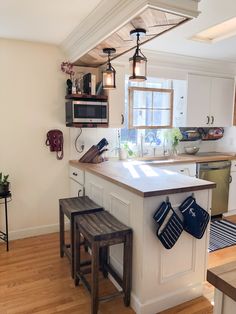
92	156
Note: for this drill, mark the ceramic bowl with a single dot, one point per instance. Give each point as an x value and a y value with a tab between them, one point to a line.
191	150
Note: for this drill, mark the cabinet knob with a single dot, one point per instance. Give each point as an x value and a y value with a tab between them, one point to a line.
230	179
212	119
75	174
208	119
122	119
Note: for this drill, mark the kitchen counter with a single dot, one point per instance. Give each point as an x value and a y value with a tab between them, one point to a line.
223	278
142	179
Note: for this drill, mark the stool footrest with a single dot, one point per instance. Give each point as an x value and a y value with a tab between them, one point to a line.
114	274
111	296
84	281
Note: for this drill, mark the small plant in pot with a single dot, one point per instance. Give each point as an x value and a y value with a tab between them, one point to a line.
4	184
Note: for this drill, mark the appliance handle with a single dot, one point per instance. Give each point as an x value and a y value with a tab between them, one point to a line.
122	119
216	168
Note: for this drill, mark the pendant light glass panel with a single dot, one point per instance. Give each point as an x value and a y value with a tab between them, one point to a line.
109	75
138	68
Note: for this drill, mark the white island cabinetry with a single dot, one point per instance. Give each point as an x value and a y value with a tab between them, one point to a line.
76	177
161	278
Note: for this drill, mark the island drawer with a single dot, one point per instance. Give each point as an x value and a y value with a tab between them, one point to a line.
76	174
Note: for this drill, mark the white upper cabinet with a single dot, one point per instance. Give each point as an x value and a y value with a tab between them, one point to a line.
116	99
209	101
222	101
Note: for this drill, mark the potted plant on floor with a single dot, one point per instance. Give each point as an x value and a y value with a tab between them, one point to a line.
4	184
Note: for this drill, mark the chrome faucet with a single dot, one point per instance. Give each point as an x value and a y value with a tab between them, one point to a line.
165	149
142	140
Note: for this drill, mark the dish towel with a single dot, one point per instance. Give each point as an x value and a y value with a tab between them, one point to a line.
169	224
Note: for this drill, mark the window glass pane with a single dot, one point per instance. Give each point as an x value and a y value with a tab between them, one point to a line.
161	100
142	99
161	117
142	117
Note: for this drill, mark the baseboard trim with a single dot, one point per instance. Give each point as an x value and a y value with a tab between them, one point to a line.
35	231
168	301
230	213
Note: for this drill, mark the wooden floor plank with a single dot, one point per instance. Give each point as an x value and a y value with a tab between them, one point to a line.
34	279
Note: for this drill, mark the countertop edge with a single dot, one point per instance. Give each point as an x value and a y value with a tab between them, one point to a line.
219	283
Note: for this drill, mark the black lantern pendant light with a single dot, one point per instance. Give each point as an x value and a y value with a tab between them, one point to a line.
138	63
109	75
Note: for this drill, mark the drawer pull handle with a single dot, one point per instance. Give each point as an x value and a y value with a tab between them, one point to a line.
75	174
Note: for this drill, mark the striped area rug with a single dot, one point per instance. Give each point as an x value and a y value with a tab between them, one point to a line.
222	234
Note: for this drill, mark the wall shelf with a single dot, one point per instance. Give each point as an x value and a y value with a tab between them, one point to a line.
86	96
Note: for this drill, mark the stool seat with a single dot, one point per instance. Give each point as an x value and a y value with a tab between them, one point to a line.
72	207
102	227
78	205
101	230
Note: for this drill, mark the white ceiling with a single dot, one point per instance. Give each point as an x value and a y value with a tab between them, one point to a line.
177	41
51	21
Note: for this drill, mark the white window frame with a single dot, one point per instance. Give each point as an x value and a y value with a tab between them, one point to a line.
149	89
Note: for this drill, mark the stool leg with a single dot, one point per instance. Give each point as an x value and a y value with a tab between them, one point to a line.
104	260
62	234
77	240
6	218
72	245
127	268
94	285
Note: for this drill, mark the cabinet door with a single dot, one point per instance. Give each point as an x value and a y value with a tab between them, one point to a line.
76	189
198	101
222	98
232	194
116	99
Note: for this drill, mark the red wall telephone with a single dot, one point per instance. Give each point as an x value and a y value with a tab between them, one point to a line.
55	142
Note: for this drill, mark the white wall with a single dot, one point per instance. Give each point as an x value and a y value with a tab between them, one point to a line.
32	90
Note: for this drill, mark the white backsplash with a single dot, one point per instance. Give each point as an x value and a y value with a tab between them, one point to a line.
228	142
91	136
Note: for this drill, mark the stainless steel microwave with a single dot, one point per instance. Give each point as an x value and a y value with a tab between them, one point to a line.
87	111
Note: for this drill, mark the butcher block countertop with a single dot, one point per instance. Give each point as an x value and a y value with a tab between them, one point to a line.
185	158
141	178
224	279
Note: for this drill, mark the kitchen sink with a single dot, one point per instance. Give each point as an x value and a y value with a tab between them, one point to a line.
157	158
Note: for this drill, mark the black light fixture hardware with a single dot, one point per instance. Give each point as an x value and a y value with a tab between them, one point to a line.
138	63
109	74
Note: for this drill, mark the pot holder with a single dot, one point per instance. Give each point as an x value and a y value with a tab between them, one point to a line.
195	217
170	225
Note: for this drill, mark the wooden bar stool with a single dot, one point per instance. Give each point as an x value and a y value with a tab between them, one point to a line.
102	230
71	207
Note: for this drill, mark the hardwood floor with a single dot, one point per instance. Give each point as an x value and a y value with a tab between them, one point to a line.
34	279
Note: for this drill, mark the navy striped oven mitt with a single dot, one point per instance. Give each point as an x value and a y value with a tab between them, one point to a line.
169	224
195	217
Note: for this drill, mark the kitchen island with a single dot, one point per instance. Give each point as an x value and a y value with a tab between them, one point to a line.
223	278
132	191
